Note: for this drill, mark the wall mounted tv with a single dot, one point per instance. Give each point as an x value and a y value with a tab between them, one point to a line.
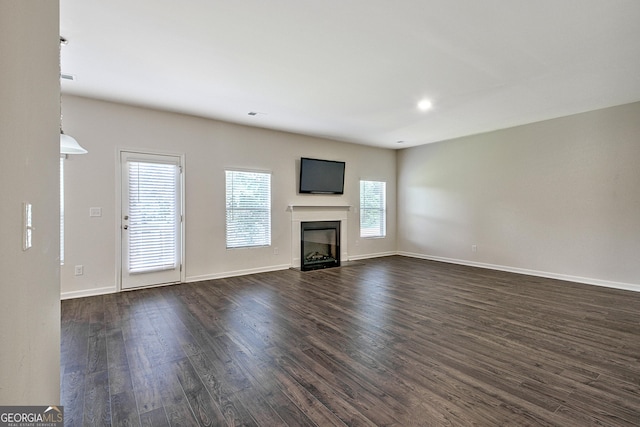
321	176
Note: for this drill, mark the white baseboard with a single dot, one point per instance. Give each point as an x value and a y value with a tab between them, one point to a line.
546	274
112	289
88	292
368	256
569	278
237	273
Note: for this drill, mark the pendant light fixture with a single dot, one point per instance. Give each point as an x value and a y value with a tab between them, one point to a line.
68	144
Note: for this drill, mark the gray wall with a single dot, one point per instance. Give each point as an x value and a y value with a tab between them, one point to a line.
209	147
556	198
559	198
29	136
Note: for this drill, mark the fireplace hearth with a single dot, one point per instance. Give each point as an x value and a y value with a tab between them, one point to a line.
319	244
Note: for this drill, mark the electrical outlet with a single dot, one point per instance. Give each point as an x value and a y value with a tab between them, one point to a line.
276	251
474	248
79	270
95	211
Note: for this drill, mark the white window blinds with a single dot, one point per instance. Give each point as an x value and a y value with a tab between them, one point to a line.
248	203
373	213
61	210
153	198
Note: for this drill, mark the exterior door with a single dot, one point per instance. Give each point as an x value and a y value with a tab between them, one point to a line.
151	219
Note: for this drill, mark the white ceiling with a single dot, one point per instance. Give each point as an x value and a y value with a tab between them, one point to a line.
354	70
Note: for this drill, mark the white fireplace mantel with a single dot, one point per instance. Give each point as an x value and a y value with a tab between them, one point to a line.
302	213
293	208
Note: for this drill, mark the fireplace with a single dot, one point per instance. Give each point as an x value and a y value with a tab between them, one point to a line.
319	244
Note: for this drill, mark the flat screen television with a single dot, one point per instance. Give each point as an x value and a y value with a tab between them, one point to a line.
321	176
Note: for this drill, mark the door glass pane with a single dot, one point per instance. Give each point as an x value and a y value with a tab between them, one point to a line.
152	229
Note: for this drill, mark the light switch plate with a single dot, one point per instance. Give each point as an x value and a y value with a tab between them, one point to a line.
27	226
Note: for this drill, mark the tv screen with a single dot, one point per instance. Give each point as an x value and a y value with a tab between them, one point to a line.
321	176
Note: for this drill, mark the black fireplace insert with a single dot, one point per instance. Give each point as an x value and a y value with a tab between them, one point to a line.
319	244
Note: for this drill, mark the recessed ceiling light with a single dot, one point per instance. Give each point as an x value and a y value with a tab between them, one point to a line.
424	105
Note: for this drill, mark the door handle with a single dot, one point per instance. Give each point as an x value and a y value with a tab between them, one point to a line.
126	227
126	217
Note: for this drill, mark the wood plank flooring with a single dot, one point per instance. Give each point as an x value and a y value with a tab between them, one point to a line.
391	341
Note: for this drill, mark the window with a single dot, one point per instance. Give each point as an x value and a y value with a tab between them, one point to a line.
61	210
248	202
373	212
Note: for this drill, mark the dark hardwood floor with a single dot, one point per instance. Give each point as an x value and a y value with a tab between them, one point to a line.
390	341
